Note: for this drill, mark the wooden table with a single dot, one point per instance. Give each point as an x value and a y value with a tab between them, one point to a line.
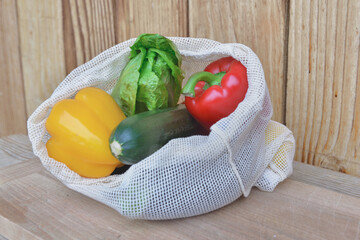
314	203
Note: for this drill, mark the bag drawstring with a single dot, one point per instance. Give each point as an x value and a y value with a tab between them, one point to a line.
231	160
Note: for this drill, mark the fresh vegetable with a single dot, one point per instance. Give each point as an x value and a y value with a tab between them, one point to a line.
80	129
152	78
215	93
140	135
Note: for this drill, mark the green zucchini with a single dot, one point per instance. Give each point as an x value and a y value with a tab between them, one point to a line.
140	135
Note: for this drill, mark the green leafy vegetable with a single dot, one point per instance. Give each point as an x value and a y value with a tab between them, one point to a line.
152	78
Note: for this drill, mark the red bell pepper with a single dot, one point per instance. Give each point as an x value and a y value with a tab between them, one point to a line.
227	84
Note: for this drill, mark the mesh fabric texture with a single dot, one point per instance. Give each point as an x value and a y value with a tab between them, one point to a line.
188	176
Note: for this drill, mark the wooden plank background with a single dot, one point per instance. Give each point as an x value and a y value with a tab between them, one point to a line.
323	83
309	51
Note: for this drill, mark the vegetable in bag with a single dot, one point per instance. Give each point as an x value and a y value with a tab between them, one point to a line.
139	136
152	78
216	92
80	129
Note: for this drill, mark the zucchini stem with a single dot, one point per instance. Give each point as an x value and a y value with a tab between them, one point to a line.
116	149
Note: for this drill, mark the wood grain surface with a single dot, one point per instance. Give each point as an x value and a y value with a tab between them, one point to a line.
12	103
168	18
42	49
34	205
88	30
326	178
15	149
261	25
323	90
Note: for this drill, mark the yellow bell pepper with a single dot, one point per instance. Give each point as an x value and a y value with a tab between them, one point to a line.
80	129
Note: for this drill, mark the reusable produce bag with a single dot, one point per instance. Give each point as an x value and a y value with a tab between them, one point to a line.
188	176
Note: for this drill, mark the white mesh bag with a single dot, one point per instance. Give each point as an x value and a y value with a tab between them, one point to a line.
188	176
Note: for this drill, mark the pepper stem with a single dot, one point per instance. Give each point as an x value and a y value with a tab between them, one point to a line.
211	79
